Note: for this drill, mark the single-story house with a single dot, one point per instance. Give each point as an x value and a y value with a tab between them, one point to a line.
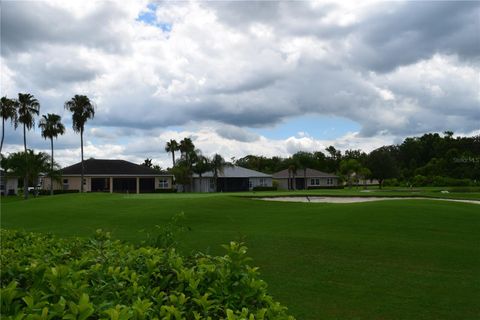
101	175
8	185
296	181
232	178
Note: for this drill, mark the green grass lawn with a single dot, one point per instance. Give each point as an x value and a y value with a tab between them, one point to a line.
399	259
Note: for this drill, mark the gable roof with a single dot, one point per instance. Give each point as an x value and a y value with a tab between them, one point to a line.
235	172
110	167
311	173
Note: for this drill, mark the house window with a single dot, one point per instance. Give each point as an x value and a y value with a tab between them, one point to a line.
250	184
315	182
163	183
263	182
65	184
212	184
329	181
84	181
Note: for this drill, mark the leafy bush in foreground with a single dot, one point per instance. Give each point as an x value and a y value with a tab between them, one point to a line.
44	277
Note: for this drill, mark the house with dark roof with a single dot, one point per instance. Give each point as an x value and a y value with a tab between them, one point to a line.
101	175
231	179
289	180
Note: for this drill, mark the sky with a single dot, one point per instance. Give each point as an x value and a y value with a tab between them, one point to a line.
242	77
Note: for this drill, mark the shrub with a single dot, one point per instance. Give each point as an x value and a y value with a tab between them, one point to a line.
43	192
165	190
263	188
44	277
324	187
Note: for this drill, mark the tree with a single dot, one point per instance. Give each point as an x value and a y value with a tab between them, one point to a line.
51	125
37	163
218	165
349	168
381	164
28	108
364	173
147	163
201	166
82	109
8	110
187	148
172	146
304	160
182	173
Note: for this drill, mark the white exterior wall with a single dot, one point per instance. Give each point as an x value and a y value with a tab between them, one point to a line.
205	185
322	182
12	183
259	182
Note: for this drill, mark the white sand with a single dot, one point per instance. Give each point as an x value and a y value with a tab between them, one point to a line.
356	199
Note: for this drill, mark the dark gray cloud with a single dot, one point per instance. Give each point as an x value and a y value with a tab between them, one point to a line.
417	30
27	24
397	69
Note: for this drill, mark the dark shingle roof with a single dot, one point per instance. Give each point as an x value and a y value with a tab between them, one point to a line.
311	173
110	167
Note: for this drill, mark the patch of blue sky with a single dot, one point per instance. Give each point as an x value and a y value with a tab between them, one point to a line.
149	16
316	126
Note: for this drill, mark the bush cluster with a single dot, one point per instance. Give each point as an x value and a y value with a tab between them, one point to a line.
324	187
44	192
263	188
44	277
165	190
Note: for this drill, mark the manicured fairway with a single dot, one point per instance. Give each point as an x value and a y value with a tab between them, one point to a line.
405	259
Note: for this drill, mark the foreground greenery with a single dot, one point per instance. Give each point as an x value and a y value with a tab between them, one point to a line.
43	277
398	259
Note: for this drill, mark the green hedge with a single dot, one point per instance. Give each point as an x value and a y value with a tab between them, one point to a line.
42	192
44	277
165	190
324	187
260	188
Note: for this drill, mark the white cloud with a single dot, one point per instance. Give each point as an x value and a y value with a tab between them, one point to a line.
229	66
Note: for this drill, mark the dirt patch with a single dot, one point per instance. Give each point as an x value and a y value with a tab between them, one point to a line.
357	199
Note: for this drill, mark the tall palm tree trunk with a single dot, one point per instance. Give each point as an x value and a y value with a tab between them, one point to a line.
3	134
51	169
81	150
305	178
25	179
173	159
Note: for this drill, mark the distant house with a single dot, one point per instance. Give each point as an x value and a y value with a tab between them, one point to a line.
233	178
8	185
111	176
296	181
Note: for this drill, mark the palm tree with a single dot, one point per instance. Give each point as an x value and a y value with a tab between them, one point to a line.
172	146
186	147
28	107
201	166
8	110
82	109
51	125
218	165
292	171
37	163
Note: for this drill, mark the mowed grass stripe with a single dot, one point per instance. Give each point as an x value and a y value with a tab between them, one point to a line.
399	259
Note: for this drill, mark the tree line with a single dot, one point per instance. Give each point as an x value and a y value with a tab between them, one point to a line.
426	160
23	111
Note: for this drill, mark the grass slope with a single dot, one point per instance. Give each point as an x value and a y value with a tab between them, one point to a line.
405	259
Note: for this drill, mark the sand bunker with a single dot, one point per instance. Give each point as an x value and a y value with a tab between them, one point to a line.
356	199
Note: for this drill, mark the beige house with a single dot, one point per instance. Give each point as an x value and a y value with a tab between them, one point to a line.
111	176
296	180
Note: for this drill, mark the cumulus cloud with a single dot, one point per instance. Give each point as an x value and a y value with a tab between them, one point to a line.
396	69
